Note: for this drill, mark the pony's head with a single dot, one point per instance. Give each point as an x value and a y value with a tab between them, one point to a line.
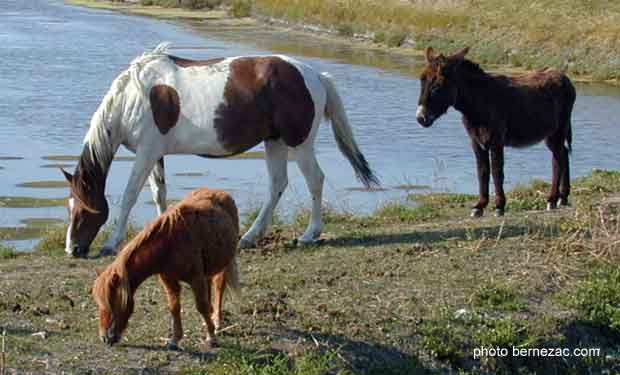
115	303
88	211
438	85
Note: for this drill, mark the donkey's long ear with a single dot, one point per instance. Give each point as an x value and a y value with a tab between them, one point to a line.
430	54
68	175
460	55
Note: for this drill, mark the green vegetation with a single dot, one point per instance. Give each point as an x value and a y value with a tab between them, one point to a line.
44	184
28	202
414	288
528	34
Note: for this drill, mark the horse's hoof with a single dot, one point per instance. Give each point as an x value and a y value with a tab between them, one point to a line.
563	202
499	212
107	252
551	206
245	244
210	344
476	212
309	242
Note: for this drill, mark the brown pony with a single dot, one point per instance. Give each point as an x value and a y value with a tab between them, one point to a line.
194	242
500	111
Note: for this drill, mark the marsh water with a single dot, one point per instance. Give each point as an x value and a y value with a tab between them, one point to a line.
58	61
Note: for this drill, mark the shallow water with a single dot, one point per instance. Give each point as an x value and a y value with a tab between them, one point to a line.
59	60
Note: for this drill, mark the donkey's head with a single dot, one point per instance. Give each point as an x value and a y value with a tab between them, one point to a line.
115	304
88	211
438	86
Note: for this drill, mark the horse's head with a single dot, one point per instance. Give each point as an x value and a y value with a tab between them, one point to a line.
438	84
115	303
88	211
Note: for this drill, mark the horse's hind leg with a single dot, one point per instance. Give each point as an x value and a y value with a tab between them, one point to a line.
497	170
218	286
565	178
202	296
306	160
173	293
276	155
157	181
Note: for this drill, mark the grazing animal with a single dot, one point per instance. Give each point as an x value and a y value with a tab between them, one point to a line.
164	104
194	242
498	111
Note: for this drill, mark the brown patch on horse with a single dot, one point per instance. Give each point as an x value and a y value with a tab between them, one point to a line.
195	241
187	63
266	98
166	107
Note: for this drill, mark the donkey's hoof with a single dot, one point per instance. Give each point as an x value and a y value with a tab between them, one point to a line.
499	212
476	212
551	206
172	345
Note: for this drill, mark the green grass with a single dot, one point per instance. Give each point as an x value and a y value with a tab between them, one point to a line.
393	293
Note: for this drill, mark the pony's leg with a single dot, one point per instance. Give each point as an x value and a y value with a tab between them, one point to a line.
173	293
497	169
554	143
306	160
218	286
142	166
482	164
202	296
157	181
276	155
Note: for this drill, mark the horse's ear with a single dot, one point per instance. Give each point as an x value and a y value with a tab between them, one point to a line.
68	175
460	55
430	54
99	271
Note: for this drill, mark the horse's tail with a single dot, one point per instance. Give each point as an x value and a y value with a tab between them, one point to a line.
334	111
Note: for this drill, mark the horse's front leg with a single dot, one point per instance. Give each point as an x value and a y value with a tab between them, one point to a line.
143	165
482	168
497	169
157	181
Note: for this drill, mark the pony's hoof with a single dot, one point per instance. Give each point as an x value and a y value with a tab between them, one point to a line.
499	212
551	206
309	242
476	212
107	252
210	345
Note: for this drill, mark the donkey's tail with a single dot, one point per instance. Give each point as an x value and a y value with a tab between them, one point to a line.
334	111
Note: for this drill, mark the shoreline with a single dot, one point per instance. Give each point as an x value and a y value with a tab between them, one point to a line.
363	42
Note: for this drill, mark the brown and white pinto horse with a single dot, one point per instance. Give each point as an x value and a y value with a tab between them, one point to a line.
500	111
215	108
195	242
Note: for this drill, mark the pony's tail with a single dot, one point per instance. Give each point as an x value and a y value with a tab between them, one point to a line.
232	279
334	111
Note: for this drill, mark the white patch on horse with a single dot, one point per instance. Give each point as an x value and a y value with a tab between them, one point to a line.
68	244
201	90
421	112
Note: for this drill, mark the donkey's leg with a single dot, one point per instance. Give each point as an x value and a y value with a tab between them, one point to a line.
143	165
306	160
565	177
173	293
157	181
202	296
497	169
554	143
276	155
482	164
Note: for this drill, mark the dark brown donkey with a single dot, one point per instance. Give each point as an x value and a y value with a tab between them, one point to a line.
498	111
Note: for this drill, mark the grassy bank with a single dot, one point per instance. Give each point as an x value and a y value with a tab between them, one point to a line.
580	36
408	290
